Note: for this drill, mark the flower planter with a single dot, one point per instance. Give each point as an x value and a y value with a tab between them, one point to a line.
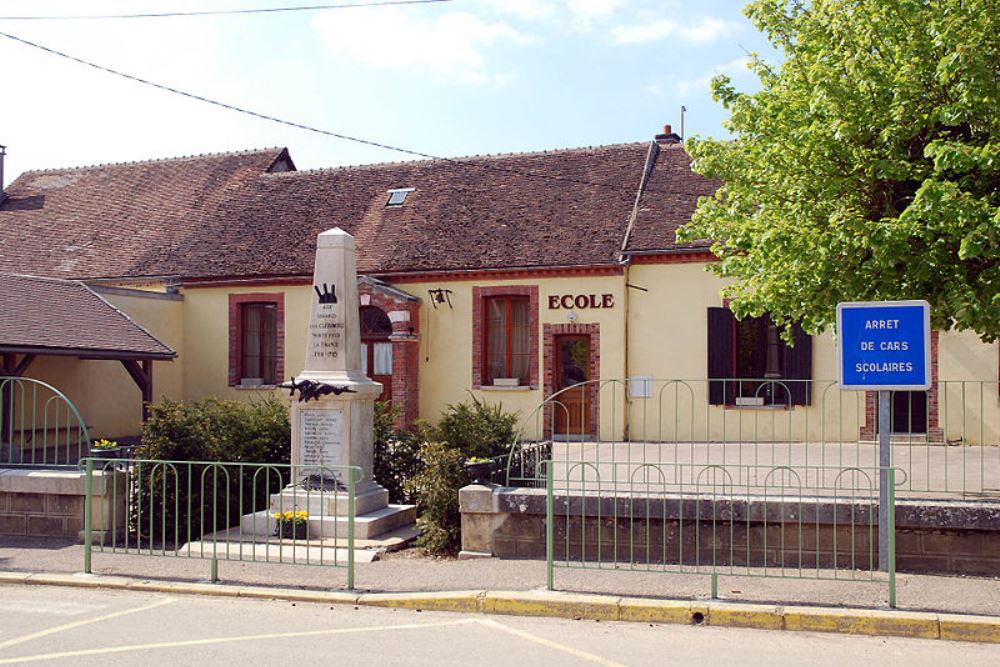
108	453
292	531
480	471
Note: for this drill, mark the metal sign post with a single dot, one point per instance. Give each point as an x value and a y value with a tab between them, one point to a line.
884	461
884	346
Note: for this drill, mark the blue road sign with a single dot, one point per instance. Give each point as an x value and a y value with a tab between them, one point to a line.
884	345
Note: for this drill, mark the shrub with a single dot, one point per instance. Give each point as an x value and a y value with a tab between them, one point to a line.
436	490
477	429
201	496
466	430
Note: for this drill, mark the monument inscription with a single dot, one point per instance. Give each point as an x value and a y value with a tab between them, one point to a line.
326	333
321	434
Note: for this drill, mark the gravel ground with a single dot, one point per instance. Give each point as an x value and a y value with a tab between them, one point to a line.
410	570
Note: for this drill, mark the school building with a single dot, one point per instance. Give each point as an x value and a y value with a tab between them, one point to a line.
508	276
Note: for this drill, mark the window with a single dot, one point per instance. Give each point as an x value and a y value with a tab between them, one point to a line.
259	348
750	364
398	197
256	339
507	345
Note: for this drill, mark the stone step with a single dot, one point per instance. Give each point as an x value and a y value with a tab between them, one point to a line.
366	526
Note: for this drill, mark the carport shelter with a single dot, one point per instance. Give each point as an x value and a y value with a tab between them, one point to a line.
65	318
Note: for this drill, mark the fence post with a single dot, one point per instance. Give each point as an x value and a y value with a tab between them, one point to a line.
549	527
891	529
350	529
88	515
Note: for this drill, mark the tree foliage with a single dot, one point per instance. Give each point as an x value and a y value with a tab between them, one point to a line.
867	167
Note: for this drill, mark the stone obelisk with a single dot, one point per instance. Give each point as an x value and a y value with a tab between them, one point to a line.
335	427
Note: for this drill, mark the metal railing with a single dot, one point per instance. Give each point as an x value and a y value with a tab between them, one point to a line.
946	440
39	425
227	511
803	522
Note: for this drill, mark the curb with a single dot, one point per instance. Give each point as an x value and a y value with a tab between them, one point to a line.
580	606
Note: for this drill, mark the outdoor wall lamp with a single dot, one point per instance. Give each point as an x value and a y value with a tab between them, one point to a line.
439	296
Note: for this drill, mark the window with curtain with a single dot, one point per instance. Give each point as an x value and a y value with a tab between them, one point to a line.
507	332
259	342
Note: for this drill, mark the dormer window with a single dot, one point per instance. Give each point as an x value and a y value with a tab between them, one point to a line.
398	196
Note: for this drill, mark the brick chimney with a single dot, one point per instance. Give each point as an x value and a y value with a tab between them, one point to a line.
668	136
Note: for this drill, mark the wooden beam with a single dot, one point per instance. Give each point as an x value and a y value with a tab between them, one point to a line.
23	364
143	378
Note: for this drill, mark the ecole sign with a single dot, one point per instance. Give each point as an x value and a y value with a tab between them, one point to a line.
884	345
581	301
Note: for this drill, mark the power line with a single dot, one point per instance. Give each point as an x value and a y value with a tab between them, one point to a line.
220	12
329	133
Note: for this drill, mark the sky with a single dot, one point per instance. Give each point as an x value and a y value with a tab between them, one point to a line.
455	78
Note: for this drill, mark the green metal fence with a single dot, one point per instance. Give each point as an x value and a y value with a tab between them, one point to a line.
803	522
39	425
946	440
221	511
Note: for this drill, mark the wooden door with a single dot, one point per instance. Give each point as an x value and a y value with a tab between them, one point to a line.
572	367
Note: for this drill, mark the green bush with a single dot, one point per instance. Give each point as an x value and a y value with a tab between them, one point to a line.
466	430
169	499
436	490
477	429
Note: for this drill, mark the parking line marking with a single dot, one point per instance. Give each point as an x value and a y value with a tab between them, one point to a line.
223	640
86	621
489	622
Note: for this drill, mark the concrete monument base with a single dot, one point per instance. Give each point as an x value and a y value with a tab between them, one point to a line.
366	526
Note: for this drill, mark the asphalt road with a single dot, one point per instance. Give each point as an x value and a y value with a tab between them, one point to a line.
65	626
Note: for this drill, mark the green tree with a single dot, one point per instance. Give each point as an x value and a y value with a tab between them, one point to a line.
867	167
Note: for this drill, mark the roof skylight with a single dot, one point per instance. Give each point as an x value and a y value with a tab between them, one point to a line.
398	196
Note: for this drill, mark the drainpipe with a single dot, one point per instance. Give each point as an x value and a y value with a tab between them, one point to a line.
625	260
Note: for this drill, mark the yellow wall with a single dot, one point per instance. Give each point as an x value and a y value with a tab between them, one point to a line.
668	331
446	345
206	339
445	374
107	398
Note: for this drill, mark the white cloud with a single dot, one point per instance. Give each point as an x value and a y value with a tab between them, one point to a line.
707	30
685	87
450	44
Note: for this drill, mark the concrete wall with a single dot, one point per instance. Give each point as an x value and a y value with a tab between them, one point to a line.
51	503
938	537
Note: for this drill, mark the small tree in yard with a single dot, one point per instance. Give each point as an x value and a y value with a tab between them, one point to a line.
866	168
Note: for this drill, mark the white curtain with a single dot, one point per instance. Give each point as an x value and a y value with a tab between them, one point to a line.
383	358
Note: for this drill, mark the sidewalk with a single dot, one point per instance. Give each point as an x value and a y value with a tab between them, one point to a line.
408	571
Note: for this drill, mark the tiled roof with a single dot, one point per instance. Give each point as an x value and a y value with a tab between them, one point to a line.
226	216
46	314
477	213
669	199
119	219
